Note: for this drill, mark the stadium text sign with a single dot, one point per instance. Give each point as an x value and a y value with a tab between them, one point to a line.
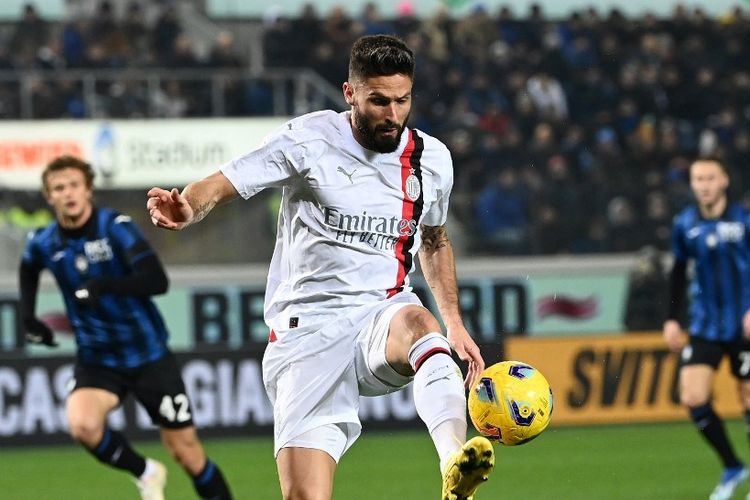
128	153
225	388
613	379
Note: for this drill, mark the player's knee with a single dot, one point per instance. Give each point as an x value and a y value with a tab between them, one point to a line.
298	490
692	399
87	431
420	321
745	398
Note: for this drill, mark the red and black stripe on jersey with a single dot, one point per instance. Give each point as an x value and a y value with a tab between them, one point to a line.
410	210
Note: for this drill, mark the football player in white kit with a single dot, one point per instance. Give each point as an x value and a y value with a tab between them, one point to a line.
362	193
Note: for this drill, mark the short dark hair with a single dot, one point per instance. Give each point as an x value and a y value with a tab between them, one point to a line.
712	159
68	161
380	55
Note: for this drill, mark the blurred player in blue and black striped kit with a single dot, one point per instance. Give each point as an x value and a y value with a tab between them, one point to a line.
715	235
107	274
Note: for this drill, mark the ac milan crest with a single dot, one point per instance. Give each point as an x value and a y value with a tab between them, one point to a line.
413	189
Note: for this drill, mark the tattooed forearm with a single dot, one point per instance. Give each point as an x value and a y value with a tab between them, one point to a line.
439	270
201	211
434	238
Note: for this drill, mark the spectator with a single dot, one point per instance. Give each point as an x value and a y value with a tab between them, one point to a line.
30	33
644	311
165	31
136	31
169	102
371	22
548	97
502	215
625	232
224	53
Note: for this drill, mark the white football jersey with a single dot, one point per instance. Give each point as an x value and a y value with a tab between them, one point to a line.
348	229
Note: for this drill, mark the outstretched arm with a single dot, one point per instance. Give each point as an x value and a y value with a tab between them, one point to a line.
439	269
175	211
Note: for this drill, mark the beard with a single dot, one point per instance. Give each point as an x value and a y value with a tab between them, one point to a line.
371	135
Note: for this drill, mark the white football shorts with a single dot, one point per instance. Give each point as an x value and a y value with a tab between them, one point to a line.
315	375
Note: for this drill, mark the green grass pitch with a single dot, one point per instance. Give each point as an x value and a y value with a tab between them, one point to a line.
658	461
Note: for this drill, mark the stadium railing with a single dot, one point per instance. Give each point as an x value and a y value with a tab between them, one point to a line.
293	91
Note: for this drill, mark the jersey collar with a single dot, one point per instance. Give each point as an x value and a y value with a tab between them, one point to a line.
88	229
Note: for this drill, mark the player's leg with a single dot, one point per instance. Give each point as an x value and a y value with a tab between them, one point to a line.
307	457
415	346
185	447
744	389
311	381
87	409
97	391
696	382
160	389
307	473
699	362
406	340
741	369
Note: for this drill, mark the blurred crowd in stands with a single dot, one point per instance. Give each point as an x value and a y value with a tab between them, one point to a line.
143	35
568	135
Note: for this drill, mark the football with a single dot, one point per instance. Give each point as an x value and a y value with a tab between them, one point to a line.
511	403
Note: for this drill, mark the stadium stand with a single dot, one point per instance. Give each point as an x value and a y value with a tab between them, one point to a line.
569	135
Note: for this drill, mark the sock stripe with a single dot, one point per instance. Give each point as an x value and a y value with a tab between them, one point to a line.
428	354
700	411
205	475
103	443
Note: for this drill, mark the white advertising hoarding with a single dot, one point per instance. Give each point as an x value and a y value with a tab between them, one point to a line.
128	153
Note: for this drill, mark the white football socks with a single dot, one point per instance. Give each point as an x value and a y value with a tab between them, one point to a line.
439	394
150	469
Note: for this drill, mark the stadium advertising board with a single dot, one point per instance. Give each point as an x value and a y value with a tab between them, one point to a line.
222	306
224	386
128	153
215	318
232	316
615	379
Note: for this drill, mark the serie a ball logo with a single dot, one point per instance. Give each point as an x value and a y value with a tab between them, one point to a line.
511	403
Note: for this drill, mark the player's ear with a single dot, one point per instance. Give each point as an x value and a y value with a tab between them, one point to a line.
348	89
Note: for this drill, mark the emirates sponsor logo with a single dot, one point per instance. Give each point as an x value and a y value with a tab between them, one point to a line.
364	222
377	231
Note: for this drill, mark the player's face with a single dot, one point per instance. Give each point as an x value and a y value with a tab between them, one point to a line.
709	182
68	195
380	110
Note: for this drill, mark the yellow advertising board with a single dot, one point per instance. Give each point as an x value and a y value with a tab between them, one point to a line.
614	379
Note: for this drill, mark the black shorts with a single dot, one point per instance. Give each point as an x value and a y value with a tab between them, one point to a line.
706	352
158	386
